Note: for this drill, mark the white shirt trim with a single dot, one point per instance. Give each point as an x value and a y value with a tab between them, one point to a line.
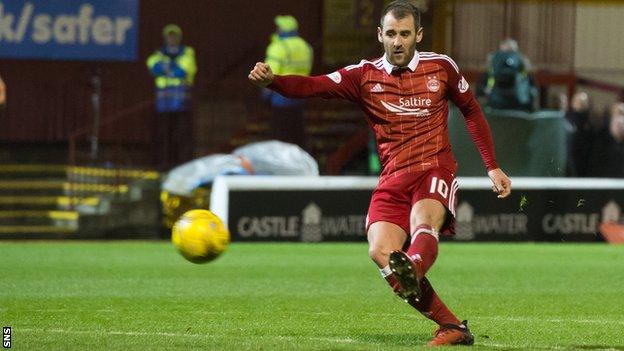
411	65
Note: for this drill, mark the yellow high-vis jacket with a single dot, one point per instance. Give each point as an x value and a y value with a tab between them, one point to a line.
288	54
174	74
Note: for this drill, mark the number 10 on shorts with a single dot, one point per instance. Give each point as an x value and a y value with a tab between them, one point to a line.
439	186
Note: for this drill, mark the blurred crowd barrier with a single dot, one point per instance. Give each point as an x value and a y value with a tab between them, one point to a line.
527	144
313	209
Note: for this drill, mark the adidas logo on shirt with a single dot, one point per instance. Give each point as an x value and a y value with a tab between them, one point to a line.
377	88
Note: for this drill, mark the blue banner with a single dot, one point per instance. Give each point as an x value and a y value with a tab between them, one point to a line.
69	29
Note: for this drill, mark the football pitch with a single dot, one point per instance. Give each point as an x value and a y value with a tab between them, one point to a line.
144	296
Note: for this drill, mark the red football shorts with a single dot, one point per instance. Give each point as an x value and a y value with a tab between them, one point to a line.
393	198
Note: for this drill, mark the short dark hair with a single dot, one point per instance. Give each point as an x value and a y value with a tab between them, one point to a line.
401	9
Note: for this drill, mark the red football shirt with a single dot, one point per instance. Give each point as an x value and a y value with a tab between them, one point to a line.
406	108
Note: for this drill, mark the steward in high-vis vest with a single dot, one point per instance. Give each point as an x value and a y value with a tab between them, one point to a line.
288	53
174	68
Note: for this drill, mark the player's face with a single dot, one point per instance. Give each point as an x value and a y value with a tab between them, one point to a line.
399	38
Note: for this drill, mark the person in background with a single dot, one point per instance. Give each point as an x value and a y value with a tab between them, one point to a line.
173	67
511	45
2	92
607	154
580	136
507	83
288	54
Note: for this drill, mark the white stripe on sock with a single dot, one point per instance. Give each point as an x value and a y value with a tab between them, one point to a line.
425	231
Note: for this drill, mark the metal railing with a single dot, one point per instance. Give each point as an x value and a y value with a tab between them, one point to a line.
604	86
93	129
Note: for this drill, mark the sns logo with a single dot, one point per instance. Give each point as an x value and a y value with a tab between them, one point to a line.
6	337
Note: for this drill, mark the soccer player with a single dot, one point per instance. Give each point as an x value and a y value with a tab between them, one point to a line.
404	95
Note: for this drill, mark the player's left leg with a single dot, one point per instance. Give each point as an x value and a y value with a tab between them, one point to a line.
426	220
410	268
430	214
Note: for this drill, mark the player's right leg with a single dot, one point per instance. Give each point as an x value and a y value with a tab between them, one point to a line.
384	238
387	224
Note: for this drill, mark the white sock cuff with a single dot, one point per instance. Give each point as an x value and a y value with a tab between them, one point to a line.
431	231
386	271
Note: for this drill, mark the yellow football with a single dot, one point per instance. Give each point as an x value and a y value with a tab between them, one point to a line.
200	236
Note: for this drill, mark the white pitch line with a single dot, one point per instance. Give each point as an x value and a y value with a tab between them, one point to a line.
534	347
52	310
107	332
134	333
399	315
513	319
551	320
340	340
531	347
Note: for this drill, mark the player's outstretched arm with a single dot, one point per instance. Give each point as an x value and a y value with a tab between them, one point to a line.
340	84
501	183
261	75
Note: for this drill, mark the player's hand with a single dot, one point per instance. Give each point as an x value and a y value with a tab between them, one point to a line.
501	183
261	75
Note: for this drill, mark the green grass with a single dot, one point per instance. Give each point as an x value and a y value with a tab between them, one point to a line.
144	296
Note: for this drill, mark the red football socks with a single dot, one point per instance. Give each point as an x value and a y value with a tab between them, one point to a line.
432	307
424	244
393	282
424	251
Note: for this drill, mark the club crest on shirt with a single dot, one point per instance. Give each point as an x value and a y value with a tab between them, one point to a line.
463	85
433	84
